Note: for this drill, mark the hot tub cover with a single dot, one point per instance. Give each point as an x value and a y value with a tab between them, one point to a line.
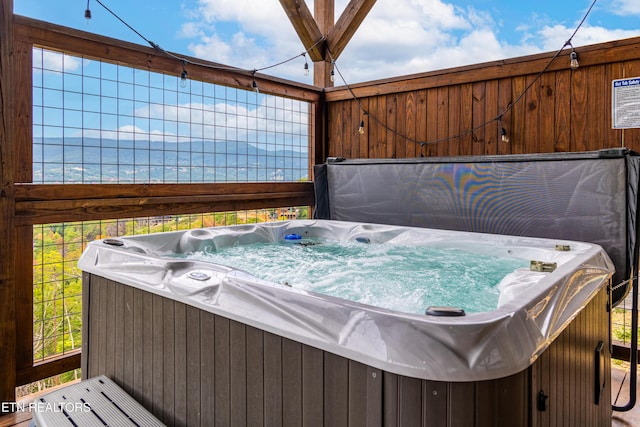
534	307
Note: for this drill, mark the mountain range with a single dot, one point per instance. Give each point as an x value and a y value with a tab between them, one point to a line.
94	160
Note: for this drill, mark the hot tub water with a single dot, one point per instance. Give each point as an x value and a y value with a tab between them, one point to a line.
396	277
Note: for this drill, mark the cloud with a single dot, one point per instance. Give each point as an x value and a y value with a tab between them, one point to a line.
241	33
273	121
406	43
553	37
55	61
626	7
395	39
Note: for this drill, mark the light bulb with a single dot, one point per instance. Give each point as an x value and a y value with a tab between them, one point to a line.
255	86
306	69
503	135
332	76
183	79
361	128
87	13
574	60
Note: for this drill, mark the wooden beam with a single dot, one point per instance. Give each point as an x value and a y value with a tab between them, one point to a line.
7	237
68	40
52	366
348	23
53	192
43	204
306	27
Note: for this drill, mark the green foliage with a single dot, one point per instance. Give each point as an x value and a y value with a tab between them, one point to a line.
57	281
621	325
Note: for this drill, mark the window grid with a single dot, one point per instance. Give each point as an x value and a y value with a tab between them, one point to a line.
97	122
621	322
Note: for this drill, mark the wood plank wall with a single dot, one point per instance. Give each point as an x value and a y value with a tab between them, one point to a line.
190	367
453	110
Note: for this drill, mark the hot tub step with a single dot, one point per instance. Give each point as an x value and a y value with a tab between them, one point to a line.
94	402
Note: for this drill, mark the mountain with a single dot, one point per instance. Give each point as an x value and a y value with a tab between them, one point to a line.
92	160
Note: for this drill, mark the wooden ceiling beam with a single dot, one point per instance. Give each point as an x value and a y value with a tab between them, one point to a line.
347	24
306	27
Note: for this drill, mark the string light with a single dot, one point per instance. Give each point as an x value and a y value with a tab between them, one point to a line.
183	76
207	65
574	59
87	12
502	131
361	128
503	135
254	85
306	65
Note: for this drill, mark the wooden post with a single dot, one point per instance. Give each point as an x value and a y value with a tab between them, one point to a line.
7	241
324	13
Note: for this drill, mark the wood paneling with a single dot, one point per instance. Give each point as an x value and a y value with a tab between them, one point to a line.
565	372
466	107
604	53
208	370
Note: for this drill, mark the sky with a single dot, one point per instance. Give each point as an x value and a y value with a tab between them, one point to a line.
398	37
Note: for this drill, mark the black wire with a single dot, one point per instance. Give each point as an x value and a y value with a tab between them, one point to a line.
127	25
353	95
200	64
497	118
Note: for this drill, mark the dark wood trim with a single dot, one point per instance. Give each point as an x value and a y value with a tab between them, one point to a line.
102	48
622	351
50	367
42	204
7	231
23	55
319	150
597	54
50	192
24	297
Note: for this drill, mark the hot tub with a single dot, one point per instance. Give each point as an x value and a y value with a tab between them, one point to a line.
226	329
